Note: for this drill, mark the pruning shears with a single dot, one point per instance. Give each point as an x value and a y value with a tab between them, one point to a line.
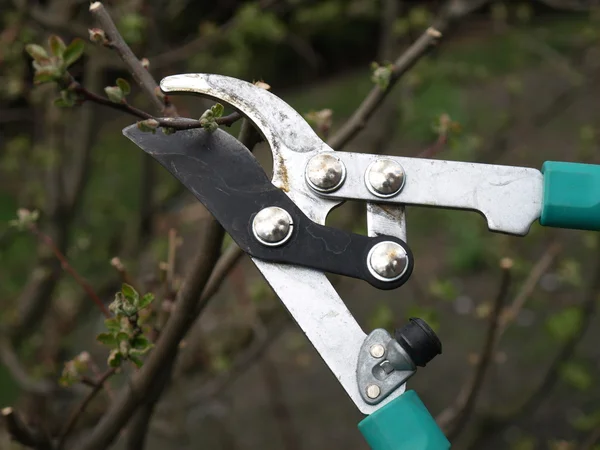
280	223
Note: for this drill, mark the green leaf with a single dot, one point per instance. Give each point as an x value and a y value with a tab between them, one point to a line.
114	94
115	359
136	360
57	45
130	294
141	343
74	51
146	300
564	324
113	325
124	86
122	336
116	306
148	125
37	52
46	75
207	120
107	339
217	110
381	75
577	375
67	99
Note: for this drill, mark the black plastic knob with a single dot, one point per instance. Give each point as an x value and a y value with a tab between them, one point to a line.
419	341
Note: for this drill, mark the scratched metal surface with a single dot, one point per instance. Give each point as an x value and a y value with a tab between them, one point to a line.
307	294
509	197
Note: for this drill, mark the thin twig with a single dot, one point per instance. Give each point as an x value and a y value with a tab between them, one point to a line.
536	273
240	365
67	267
123	273
493	424
177	123
279	410
369	105
133	395
24	433
97	387
219	272
436	148
139	72
454	418
171	258
11	362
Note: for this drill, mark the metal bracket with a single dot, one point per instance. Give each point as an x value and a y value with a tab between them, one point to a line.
383	366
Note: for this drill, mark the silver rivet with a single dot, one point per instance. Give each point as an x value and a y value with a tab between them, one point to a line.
373	391
387	261
377	350
325	172
272	226
385	177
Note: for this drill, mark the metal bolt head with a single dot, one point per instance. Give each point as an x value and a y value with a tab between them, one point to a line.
387	261
385	177
373	391
325	172
272	226
377	350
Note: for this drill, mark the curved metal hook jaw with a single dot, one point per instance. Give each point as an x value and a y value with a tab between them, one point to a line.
292	140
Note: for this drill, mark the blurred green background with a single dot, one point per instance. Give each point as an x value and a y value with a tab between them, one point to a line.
519	82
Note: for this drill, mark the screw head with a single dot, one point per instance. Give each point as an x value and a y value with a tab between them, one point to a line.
325	172
387	261
377	350
373	391
272	226
385	177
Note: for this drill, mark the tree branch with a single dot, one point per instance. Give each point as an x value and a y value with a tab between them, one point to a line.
166	347
139	72
82	142
23	433
492	425
18	373
139	429
96	388
450	12
538	270
369	105
177	123
47	240
454	418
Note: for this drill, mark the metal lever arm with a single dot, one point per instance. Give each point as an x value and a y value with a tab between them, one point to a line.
307	293
228	180
509	197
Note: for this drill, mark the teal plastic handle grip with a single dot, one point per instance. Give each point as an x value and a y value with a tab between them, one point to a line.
571	195
403	424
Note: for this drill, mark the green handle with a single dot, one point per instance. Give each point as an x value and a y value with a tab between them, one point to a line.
403	424
571	195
